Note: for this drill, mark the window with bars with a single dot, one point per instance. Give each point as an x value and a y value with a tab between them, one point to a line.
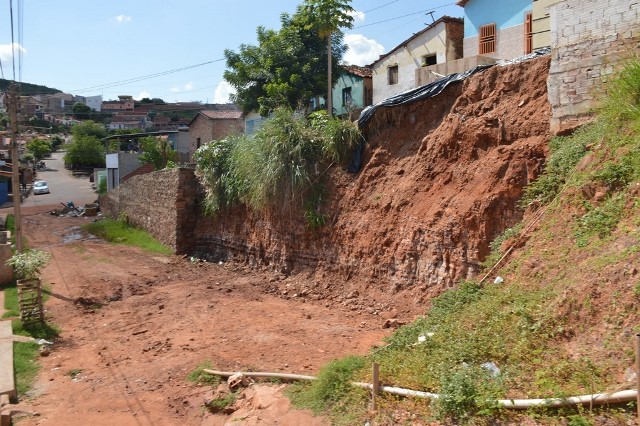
487	39
528	33
393	75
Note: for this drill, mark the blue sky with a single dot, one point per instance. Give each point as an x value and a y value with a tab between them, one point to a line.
88	47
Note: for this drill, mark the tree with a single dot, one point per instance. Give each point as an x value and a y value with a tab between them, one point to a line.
88	128
158	152
39	148
81	111
286	68
327	17
85	151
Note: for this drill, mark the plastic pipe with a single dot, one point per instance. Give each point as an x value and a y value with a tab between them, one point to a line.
513	404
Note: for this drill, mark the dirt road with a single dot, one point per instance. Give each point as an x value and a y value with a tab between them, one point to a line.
134	325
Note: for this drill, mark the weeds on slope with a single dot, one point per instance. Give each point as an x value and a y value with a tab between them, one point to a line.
477	344
280	167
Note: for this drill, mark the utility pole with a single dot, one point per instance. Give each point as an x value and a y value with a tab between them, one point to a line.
15	164
330	89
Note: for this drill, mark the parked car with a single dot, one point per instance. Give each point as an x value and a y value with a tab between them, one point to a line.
40	187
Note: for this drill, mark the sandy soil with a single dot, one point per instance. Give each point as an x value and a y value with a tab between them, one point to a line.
135	325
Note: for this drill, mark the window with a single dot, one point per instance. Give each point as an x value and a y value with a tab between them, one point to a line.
429	60
393	75
528	33
487	39
346	96
197	143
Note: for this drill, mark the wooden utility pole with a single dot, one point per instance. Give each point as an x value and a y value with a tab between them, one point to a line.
15	164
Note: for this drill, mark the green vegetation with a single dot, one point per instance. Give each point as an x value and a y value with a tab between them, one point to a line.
199	377
25	363
289	66
219	404
86	148
28	264
121	232
573	278
280	167
39	148
158	152
74	372
332	391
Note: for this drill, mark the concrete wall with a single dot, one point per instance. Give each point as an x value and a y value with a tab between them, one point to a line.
6	271
162	202
408	58
541	23
588	39
426	75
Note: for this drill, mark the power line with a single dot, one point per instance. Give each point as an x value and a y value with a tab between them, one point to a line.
13	44
404	16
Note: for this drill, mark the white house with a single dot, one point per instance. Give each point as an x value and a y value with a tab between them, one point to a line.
395	72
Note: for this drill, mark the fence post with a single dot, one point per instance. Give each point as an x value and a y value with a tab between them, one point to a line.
375	388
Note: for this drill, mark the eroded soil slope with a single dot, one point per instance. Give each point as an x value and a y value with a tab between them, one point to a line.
440	179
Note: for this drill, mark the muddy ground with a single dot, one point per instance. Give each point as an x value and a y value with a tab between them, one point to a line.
134	325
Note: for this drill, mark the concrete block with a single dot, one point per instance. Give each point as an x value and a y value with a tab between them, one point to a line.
7	378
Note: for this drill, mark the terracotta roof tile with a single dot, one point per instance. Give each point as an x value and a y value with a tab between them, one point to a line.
359	71
221	115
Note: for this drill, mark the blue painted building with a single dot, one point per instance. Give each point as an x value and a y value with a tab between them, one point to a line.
353	91
498	28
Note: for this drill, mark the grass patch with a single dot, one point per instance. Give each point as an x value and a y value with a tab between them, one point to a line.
74	372
120	232
220	403
25	364
199	377
332	391
11	300
599	221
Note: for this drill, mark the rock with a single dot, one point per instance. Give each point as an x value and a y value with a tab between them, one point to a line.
392	323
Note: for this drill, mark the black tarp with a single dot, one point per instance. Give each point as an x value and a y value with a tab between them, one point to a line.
424	92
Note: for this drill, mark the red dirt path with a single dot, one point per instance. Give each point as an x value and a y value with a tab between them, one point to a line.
136	324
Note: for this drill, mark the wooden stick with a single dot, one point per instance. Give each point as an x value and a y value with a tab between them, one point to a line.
638	375
375	389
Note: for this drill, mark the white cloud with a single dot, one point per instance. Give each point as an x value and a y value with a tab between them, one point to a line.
142	95
123	19
6	51
187	87
223	90
358	17
362	50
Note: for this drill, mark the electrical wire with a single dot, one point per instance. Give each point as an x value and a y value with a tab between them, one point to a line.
13	44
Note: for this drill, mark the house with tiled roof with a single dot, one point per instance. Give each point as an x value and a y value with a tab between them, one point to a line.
214	124
395	71
352	91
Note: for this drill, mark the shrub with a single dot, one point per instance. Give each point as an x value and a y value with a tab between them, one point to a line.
28	264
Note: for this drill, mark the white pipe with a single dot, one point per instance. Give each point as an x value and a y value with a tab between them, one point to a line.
513	404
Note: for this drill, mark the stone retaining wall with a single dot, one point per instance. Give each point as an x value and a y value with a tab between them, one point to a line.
162	202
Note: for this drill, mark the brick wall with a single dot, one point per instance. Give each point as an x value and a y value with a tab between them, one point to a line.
162	202
589	39
208	130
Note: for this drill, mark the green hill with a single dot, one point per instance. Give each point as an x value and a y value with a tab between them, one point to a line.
28	88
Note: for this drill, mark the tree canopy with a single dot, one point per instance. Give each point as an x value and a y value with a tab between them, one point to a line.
288	66
86	149
39	148
158	152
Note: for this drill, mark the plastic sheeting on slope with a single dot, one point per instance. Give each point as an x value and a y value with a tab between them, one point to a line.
427	91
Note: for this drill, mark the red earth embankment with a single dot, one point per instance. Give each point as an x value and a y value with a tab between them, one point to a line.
440	179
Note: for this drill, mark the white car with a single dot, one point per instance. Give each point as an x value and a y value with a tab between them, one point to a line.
40	187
